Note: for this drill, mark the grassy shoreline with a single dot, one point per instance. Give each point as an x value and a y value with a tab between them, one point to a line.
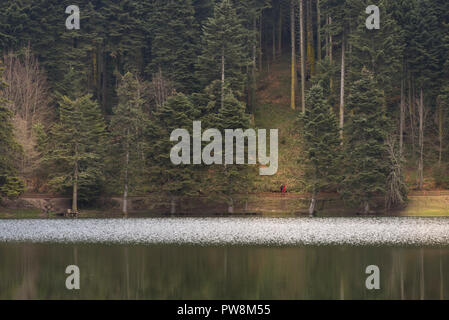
292	205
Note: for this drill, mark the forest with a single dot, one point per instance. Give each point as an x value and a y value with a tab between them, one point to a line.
88	112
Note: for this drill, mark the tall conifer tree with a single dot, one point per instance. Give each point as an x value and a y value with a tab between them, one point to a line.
365	157
76	148
321	144
223	55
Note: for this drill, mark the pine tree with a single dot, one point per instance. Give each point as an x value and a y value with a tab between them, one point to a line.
230	180
76	148
223	55
170	180
128	127
380	51
365	157
174	45
320	144
11	185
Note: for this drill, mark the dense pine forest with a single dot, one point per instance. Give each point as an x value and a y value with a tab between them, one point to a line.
88	112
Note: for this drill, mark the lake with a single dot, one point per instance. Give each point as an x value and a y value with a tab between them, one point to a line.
225	258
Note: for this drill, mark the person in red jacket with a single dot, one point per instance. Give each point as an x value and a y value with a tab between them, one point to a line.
283	189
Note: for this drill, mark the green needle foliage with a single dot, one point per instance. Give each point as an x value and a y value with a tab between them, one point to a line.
11	186
365	155
76	148
168	179
129	125
223	49
321	142
230	180
175	42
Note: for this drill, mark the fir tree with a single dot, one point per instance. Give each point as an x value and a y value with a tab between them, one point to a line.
11	185
321	144
174	45
128	127
171	180
76	148
365	157
380	51
223	55
230	180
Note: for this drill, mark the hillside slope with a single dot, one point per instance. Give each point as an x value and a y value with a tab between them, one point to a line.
274	112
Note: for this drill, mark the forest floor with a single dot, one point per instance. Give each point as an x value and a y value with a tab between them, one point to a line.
423	204
273	112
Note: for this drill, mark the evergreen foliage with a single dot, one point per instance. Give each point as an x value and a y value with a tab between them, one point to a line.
223	55
167	178
215	52
128	127
11	186
231	180
174	45
320	135
76	148
365	158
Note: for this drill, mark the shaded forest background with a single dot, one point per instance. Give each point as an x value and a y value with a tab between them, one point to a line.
90	111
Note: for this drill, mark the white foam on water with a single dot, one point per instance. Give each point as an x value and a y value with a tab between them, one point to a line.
220	231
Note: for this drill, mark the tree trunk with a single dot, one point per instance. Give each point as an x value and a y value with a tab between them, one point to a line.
222	77
331	58
411	112
318	22
280	31
327	37
402	119
125	192
310	45
231	206
293	67
440	132
98	72
302	61
125	197
274	40
104	81
342	87
366	210
75	184
253	71
312	205
172	206
260	42
421	141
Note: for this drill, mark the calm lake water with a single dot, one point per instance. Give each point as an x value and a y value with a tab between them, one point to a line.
178	259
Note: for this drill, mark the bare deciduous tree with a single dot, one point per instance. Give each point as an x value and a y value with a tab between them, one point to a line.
160	89
29	100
